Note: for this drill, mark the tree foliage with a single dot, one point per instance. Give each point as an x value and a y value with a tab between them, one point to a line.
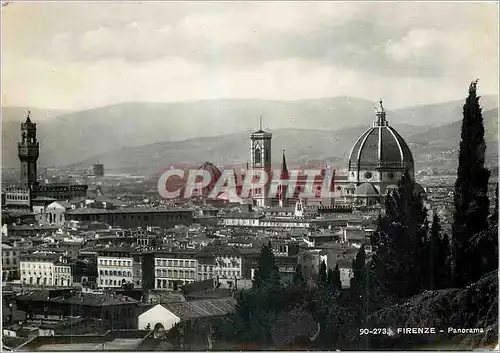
267	272
399	241
470	196
322	274
298	276
336	281
438	257
257	307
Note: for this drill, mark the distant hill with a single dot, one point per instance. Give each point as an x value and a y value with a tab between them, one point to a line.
439	113
445	136
430	147
302	146
445	140
91	133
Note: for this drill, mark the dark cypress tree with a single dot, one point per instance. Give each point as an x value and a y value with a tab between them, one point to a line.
471	187
336	282
267	273
359	263
399	243
329	278
358	269
360	288
447	272
322	274
437	256
256	308
298	276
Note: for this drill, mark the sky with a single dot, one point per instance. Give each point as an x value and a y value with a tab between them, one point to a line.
81	55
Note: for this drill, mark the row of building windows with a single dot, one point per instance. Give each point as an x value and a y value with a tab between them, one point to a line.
138	217
205	268
175	273
62	269
47	281
115	262
6	261
47	273
229	274
38	280
228	264
9	253
40	273
163	283
17	197
52	217
175	263
30	265
281	249
112	282
115	273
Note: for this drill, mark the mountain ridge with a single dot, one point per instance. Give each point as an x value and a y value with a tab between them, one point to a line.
330	147
86	134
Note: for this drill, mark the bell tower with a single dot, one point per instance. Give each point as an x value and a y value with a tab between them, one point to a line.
260	158
28	151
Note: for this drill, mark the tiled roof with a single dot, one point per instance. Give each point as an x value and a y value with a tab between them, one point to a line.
126	210
87	299
65	204
355	234
116	249
202	308
220	250
240	240
242	215
36	227
54	324
39	257
109	200
366	189
279	209
16	213
77	200
91	299
199	286
43	198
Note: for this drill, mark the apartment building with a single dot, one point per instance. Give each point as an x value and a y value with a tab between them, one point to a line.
173	269
10	262
62	275
43	269
115	267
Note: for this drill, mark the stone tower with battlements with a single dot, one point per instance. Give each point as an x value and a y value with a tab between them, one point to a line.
28	152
